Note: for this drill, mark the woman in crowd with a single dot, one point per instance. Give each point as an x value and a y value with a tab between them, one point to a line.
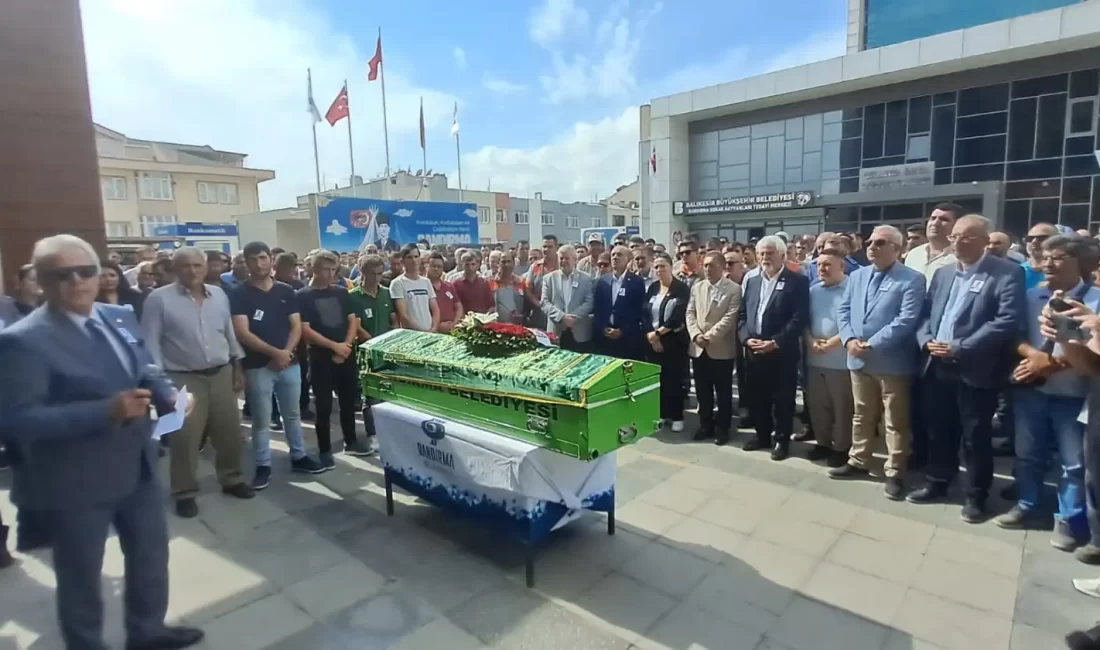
666	332
114	289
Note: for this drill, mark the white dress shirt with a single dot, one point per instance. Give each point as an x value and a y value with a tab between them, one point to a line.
566	291
767	286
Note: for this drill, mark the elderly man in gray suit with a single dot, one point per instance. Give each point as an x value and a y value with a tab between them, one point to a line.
75	395
567	302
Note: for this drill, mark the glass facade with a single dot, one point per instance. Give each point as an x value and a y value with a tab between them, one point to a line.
1037	135
895	21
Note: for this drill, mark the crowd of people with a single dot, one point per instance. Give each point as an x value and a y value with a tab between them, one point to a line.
942	339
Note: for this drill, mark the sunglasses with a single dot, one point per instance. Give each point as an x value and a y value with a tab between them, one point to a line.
1036	239
85	272
879	242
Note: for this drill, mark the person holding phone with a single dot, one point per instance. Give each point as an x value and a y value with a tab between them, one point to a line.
1049	394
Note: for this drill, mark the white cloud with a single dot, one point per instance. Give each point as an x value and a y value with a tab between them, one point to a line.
460	58
553	19
242	87
592	158
502	86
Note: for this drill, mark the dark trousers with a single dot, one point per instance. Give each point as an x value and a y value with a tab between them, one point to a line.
739	364
328	376
714	385
918	443
79	538
303	399
621	348
1092	479
672	361
771	380
569	342
958	413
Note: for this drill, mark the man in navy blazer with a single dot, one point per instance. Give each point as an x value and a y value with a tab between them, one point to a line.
618	310
973	316
774	314
878	317
74	407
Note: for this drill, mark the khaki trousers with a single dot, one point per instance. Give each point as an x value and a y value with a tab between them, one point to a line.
215	416
875	396
830	403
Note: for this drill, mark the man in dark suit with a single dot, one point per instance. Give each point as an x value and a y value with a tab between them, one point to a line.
619	310
73	407
971	321
773	316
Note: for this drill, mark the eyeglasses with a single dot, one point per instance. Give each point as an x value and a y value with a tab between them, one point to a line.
966	239
85	272
1055	259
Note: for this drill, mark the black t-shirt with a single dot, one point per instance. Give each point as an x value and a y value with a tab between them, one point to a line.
326	311
268	316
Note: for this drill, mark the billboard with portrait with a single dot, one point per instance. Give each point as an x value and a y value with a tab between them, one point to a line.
348	224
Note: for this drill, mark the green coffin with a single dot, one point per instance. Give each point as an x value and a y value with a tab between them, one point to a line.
580	405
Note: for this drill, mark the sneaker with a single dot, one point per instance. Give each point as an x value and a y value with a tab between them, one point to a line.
837	459
187	508
803	435
931	493
277	425
819	452
1015	519
1088	586
239	490
848	471
306	465
1063	538
327	461
262	478
677	426
973	511
359	449
1088	554
895	488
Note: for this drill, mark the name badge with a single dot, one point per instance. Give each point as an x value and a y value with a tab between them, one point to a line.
886	286
717	298
576	284
779	286
370	312
127	336
622	292
976	286
259	315
449	296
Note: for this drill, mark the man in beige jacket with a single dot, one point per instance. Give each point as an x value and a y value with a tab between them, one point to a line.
712	327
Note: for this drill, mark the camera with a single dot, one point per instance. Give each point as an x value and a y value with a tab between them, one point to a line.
164	392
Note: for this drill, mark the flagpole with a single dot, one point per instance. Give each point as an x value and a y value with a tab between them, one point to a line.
316	159
458	155
351	153
423	139
385	124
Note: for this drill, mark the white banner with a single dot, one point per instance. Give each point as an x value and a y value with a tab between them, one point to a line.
487	475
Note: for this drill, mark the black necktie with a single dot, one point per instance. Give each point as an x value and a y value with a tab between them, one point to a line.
102	350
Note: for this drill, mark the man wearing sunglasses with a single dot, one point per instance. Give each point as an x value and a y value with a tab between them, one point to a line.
1033	266
73	385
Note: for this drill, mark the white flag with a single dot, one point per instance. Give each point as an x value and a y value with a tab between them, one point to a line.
454	123
314	113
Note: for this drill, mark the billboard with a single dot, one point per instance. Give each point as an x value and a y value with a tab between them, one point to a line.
346	224
780	201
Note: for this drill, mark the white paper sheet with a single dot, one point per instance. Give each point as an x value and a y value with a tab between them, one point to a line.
172	421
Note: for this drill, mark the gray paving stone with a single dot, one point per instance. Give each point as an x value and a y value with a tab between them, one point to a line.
671	570
811	625
493	614
286	552
335	517
630	606
1026	637
1054	612
689	628
551	628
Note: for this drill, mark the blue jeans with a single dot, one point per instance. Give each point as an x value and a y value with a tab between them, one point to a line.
287	386
1042	420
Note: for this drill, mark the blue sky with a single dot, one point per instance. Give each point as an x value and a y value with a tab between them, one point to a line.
547	89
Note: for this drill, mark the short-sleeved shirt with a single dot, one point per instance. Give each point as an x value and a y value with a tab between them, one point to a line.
268	315
326	311
446	297
824	302
1032	276
417	294
374	312
475	296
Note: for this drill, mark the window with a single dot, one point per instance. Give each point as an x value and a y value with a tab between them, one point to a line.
547	219
521	217
618	220
148	224
502	216
635	220
483	214
155	187
1081	117
113	188
118	228
920	147
224	193
572	221
597	222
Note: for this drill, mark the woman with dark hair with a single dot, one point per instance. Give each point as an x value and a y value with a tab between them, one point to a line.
666	333
114	289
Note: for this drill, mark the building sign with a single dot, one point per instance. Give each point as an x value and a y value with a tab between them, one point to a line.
781	201
195	230
350	224
894	176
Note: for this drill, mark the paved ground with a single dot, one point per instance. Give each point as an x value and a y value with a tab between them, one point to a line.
716	550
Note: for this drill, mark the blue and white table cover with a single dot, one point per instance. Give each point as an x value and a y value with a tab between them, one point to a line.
502	481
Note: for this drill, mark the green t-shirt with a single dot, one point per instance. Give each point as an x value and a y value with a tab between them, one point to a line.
374	312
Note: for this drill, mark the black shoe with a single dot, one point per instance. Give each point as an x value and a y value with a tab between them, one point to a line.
277	425
1088	640
819	452
1087	554
837	459
753	445
1008	492
262	477
6	560
849	471
239	490
172	638
973	511
187	508
781	451
721	439
931	493
306	465
895	488
702	434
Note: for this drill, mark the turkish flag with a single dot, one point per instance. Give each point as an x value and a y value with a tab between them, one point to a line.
339	109
376	60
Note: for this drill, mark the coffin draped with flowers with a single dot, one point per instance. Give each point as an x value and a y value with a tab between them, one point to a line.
580	405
